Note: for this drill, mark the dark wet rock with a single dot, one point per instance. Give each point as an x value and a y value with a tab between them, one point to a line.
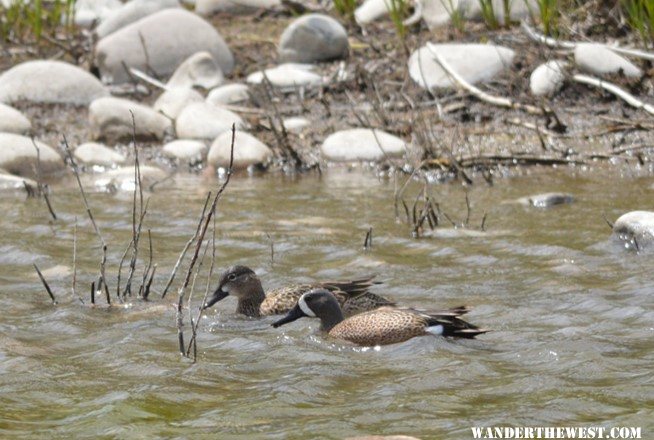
13	121
98	154
635	229
131	12
171	36
18	156
473	62
288	76
362	144
54	82
184	150
547	78
597	59
111	118
547	200
229	94
199	70
313	37
173	101
208	7
205	121
248	150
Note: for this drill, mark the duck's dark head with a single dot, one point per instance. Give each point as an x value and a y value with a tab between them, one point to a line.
317	303
238	281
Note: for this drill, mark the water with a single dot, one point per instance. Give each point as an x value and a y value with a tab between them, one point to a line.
571	312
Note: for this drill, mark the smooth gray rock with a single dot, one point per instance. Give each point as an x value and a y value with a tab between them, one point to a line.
312	38
296	124
362	144
171	36
198	70
122	179
131	12
288	76
49	82
547	200
547	78
229	94
173	101
189	151
10	182
208	7
92	153
88	12
474	62
19	156
596	59
205	121
111	118
13	121
635	229
248	150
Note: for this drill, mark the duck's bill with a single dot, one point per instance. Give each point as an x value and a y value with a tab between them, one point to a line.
218	295
293	315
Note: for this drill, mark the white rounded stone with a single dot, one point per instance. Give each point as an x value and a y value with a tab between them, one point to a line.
248	150
362	144
208	7
130	12
635	225
229	94
205	121
599	60
547	78
13	121
173	101
98	154
185	150
10	182
296	124
111	118
198	70
122	178
287	76
19	156
88	12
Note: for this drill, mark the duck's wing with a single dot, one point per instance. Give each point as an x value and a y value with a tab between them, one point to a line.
282	299
352	288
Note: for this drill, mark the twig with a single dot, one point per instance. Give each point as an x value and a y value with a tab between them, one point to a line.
45	284
42	189
75	263
92	292
367	242
617	91
607	221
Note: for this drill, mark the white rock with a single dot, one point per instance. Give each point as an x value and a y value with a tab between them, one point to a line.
370	11
547	78
437	13
208	7
313	37
474	62
638	225
598	60
198	70
98	154
13	121
287	76
171	36
205	121
88	12
122	178
248	150
296	124
471	9
229	94
10	182
173	101
111	118
131	12
49	82
362	144
19	156
185	150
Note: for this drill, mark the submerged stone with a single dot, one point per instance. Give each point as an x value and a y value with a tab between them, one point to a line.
547	200
19	156
122	179
635	228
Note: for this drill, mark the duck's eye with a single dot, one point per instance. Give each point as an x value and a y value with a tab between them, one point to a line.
231	276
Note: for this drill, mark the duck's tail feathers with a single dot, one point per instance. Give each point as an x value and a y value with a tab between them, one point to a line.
449	324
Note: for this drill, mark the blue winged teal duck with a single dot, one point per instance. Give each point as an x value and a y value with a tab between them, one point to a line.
244	284
382	326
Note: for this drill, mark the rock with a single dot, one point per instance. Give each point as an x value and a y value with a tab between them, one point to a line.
131	12
173	101
248	150
229	94
597	59
635	228
474	62
208	7
171	36
205	121
185	150
122	178
49	82
10	182
13	121
97	154
296	124
519	10
111	118
19	156
287	76
313	37
198	70
547	200
362	144
88	12
370	11
547	78
437	13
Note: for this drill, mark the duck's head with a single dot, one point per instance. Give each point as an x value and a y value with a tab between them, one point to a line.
239	281
317	303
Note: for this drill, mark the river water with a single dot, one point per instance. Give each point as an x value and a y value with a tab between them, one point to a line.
571	314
